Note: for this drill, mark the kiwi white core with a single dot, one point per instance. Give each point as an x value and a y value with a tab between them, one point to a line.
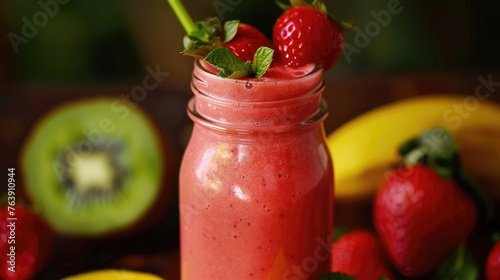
94	172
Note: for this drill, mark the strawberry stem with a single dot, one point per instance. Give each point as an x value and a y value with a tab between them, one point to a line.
468	184
460	256
182	15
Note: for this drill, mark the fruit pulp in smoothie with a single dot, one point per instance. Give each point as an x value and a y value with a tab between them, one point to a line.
256	205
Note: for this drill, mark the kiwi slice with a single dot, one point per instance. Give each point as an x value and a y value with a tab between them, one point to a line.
93	167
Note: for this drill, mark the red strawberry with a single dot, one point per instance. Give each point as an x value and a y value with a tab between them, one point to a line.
421	217
304	35
493	263
33	243
246	41
358	254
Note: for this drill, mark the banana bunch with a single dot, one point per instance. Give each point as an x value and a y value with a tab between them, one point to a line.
366	147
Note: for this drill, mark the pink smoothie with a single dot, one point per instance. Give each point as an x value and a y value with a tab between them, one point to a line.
256	183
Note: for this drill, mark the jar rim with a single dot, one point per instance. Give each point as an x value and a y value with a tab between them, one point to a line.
304	86
252	104
317	68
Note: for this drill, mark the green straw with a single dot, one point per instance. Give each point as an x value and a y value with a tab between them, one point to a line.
182	15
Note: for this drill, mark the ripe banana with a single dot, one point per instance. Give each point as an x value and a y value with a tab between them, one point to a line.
364	148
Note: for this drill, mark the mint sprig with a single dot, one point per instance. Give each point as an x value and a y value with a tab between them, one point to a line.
201	41
230	66
203	36
209	35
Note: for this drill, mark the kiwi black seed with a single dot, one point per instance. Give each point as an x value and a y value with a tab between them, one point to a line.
93	167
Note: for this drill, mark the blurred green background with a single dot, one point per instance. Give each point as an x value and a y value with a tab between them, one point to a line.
93	48
96	42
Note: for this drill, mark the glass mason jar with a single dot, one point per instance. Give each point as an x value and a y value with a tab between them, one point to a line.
256	180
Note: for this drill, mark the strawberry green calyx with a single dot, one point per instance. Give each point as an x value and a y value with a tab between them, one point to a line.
320	5
437	149
338	231
495	237
230	66
459	264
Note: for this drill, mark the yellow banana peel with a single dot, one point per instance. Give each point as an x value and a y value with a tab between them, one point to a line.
364	148
113	274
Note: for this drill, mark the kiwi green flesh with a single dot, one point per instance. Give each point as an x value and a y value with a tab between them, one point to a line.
93	167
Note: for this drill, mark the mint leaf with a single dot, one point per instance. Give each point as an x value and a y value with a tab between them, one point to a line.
230	29
228	64
459	265
383	277
208	28
335	276
262	60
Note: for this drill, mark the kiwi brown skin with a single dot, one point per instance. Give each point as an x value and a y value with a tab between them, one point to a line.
158	209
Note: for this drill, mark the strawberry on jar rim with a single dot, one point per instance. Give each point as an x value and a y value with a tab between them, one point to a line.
305	34
234	49
241	39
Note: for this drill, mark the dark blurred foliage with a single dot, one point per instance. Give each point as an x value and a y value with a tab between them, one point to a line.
82	41
105	41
